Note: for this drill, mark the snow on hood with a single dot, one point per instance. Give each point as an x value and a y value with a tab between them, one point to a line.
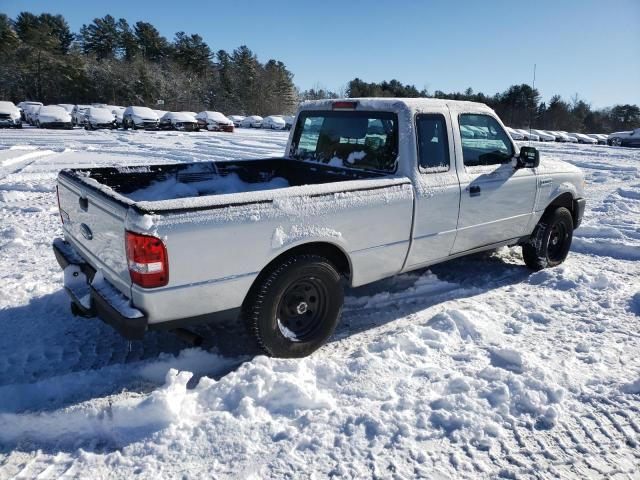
179	117
101	115
276	119
54	114
143	112
8	107
215	116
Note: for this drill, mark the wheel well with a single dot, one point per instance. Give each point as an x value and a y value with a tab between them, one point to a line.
565	200
327	250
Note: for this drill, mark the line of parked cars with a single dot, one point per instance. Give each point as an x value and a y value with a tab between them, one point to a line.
619	139
100	115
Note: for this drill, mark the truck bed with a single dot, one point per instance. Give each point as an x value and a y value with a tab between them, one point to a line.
158	183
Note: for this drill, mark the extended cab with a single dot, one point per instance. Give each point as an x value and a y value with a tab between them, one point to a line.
366	189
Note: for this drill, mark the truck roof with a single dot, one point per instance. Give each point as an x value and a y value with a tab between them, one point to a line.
396	104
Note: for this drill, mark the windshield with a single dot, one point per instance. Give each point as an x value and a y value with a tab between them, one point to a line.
363	140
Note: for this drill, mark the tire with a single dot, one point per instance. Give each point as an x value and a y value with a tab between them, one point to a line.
294	308
550	241
616	142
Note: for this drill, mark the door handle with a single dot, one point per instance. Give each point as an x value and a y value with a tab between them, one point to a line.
474	190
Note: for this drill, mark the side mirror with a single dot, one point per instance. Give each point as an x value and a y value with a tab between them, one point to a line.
529	158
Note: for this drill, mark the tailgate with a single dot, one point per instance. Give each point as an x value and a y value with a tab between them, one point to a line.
94	224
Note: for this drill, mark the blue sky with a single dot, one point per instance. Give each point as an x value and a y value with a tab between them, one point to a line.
591	48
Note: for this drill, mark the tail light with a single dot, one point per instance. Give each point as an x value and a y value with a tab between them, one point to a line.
59	209
147	260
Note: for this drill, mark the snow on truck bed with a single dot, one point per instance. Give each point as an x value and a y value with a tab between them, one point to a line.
476	368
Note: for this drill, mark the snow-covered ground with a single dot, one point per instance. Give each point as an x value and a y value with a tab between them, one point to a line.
473	368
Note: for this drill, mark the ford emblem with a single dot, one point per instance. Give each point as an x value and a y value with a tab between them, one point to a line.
86	231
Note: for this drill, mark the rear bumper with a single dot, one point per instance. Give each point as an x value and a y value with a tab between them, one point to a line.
106	303
579	206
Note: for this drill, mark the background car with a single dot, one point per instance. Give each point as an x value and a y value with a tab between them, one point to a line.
562	137
160	113
183	121
67	106
528	134
514	134
214	121
600	138
582	138
53	116
77	114
22	105
625	139
139	117
253	121
117	113
10	115
236	119
274	122
30	113
98	117
288	120
544	135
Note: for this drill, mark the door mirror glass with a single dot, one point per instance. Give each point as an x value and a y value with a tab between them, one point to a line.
529	157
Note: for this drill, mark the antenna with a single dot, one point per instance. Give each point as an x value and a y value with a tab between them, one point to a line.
533	87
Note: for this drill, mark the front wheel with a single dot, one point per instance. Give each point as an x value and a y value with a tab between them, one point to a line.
616	142
294	308
551	240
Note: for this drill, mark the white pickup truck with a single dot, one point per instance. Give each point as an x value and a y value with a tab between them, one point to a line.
366	189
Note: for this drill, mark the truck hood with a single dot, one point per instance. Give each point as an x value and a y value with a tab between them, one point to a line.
553	165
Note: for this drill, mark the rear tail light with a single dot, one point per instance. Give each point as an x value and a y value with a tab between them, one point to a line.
147	260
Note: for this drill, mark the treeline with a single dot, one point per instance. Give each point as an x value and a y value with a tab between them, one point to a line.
519	106
114	62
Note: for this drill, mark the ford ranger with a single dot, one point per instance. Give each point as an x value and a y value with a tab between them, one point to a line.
366	189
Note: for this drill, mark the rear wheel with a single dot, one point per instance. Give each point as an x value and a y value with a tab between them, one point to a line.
295	307
551	240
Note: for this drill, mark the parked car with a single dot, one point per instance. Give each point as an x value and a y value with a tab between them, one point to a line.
528	134
253	121
30	113
236	119
544	135
67	106
273	240
53	116
183	121
9	115
99	117
77	114
288	120
561	137
572	138
139	117
625	139
160	113
214	122
599	137
514	134
118	113
582	138
22	106
274	122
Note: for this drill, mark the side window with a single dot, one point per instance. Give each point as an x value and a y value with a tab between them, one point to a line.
484	141
433	144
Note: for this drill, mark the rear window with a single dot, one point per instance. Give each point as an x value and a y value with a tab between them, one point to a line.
361	140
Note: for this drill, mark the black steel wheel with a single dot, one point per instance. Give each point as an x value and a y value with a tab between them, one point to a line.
294	307
550	242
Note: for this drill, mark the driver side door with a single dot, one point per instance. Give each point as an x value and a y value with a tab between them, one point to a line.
497	200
